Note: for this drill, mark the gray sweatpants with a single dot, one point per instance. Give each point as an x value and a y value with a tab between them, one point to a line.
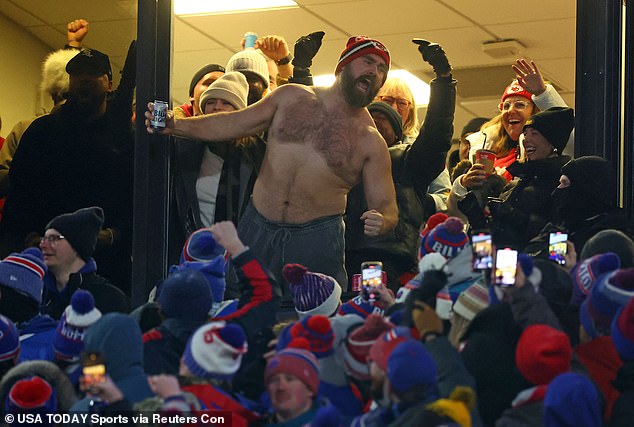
318	245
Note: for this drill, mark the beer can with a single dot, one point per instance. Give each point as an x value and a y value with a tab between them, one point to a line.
159	115
249	40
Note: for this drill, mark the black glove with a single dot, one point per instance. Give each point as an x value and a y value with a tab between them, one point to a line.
306	47
433	55
129	67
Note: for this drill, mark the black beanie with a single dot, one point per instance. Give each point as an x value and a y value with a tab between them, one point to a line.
473	125
555	124
594	177
392	115
80	229
209	68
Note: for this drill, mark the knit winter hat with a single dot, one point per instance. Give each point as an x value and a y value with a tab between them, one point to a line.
358	343
80	229
622	331
555	124
9	339
542	353
360	46
461	400
214	272
215	350
312	293
294	361
54	76
592	177
409	365
185	294
250	60
231	87
385	343
585	274
447	239
610	241
515	89
317	331
361	307
391	114
612	291
201	246
23	272
209	68
473	125
434	220
572	400
68	341
31	395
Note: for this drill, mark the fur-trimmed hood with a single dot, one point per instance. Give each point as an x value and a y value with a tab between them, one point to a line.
66	395
54	76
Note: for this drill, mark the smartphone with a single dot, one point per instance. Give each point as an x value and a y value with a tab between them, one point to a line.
482	247
505	267
371	278
93	368
557	247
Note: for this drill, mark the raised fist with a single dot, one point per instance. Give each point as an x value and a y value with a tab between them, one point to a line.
434	55
306	47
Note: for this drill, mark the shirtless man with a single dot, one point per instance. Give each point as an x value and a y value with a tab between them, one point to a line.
321	142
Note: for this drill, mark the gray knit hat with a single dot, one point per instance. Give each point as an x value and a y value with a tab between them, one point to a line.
250	60
231	87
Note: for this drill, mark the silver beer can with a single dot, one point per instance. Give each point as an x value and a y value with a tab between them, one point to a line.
159	115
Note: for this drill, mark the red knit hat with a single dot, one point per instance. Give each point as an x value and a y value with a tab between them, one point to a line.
295	361
359	46
358	345
542	353
515	89
385	343
318	332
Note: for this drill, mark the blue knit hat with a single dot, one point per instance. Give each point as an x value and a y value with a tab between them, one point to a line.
79	315
24	272
572	400
409	365
185	294
361	307
214	272
313	293
215	350
586	273
201	246
622	331
612	291
9	339
32	395
447	238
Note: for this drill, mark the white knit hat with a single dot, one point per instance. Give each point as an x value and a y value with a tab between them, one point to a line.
215	350
231	87
250	60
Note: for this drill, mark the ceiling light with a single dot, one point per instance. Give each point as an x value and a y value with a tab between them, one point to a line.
211	7
419	88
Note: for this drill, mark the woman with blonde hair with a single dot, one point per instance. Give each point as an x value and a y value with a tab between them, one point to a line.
397	93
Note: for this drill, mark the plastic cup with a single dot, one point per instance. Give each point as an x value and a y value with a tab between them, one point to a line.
486	158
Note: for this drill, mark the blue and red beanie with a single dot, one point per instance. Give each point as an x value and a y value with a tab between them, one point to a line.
9	339
447	238
68	342
23	272
585	274
201	246
622	331
312	293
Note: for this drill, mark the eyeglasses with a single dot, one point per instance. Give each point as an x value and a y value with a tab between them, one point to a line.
52	239
400	102
518	105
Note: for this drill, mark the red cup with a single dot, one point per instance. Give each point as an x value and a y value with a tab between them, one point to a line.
486	158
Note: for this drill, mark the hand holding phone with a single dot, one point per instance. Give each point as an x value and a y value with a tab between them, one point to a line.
93	369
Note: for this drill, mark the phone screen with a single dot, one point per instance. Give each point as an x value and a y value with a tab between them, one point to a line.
482	251
93	369
557	248
371	277
505	267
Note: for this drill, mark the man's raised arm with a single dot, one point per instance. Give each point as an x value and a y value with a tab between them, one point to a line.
220	126
382	213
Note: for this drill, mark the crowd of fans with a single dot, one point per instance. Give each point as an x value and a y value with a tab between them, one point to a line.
450	337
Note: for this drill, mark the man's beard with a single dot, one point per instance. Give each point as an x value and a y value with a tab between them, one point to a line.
86	103
354	97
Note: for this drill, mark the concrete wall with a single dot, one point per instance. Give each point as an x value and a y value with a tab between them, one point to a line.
20	69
